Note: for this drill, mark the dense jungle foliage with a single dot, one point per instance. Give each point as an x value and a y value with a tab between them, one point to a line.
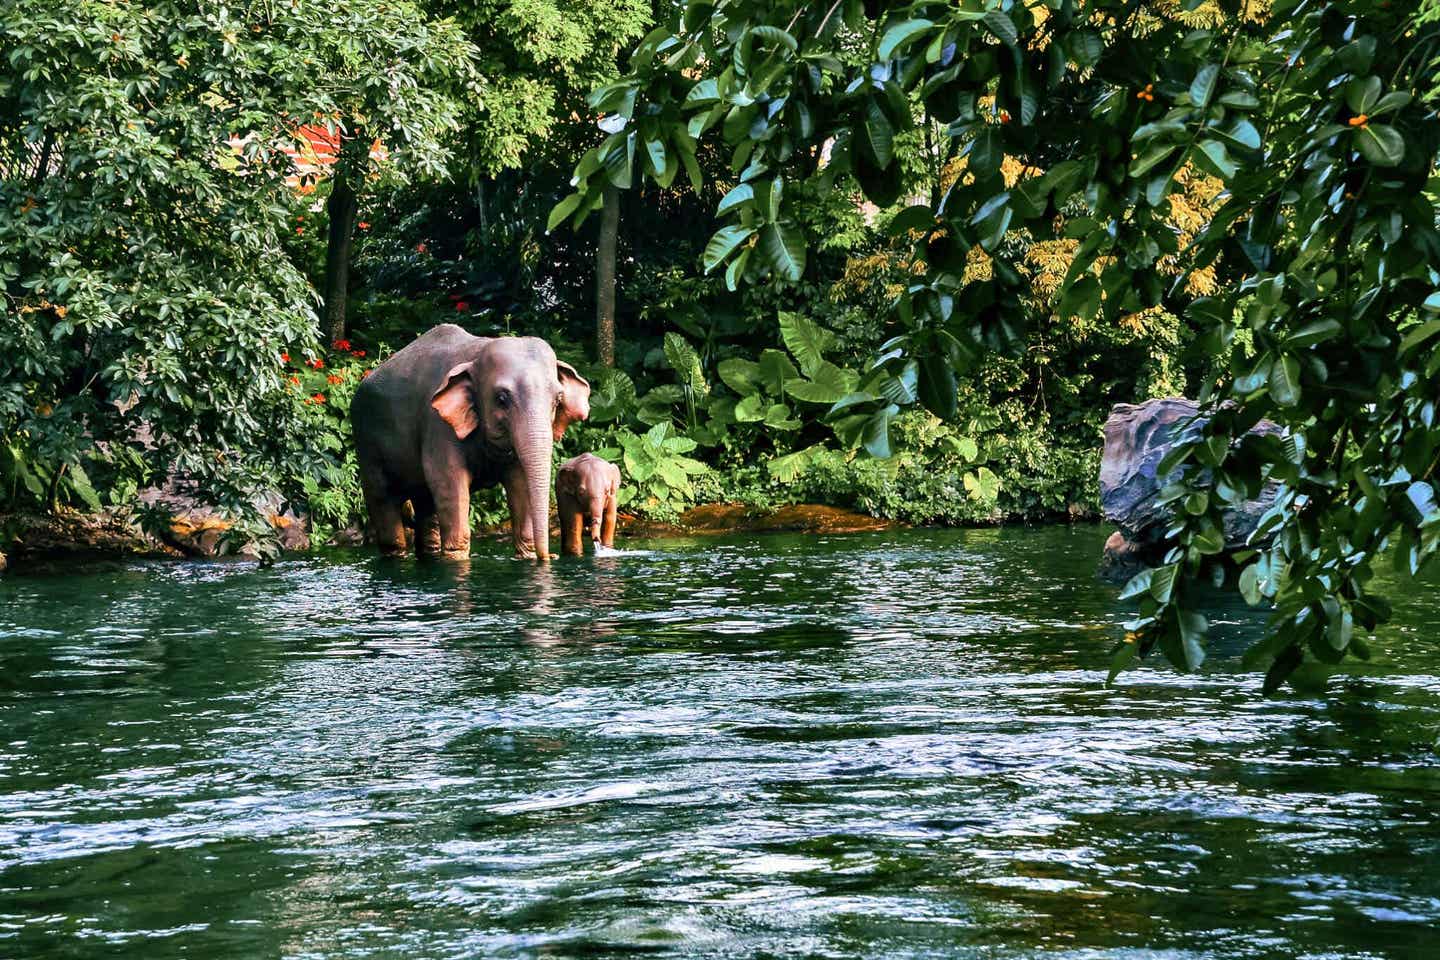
901	257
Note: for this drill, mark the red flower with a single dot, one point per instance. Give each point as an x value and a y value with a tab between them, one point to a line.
366	374
299	219
461	305
299	229
357	353
315	364
341	344
1004	116
317	398
294	379
284	358
421	248
332	379
363	225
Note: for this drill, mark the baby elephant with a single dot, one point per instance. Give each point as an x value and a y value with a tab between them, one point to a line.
585	492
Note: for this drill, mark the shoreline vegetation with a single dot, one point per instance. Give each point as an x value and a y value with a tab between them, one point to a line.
900	259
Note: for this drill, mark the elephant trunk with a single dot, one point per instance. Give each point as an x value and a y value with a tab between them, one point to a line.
535	462
596	520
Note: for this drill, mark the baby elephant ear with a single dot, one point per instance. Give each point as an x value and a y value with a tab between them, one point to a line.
574	398
455	401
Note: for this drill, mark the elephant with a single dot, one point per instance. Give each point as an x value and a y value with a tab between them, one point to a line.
586	489
453	411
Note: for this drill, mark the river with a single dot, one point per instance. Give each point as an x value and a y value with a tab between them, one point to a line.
879	745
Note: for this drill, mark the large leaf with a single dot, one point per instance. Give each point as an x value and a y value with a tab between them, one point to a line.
686	362
899	35
1203	86
723	243
1382	145
742	376
1285	380
783	248
807	341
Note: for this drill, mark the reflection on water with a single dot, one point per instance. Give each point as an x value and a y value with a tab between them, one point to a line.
881	745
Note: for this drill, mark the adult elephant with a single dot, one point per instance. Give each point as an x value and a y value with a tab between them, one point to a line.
452	411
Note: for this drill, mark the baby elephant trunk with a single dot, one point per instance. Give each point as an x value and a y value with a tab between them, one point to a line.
595	520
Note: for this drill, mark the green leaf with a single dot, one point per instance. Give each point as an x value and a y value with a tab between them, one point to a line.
742	376
982	485
807	341
1313	333
562	210
782	248
916	217
752	408
1162	583
899	35
986	152
876	437
1203	86
1382	145
1142	164
1213	158
875	134
1362	93
739	196
723	243
1419	335
736	271
937	387
999	23
1285	380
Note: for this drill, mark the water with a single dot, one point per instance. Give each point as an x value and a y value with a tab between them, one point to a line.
891	745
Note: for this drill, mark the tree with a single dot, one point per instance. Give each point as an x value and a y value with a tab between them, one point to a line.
1313	115
145	157
605	252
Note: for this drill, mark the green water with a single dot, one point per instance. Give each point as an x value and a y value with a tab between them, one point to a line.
891	745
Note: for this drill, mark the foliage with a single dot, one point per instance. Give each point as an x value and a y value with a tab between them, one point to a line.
658	469
1310	114
148	202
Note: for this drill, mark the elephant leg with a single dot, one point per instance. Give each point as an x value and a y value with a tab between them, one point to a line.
387	527
607	530
449	483
571	524
427	526
520	524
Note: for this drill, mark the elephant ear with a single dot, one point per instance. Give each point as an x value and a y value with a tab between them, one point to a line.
455	401
574	398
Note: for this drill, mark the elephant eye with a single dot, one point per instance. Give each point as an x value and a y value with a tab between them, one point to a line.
502	399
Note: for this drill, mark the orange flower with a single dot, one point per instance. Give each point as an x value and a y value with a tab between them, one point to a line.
294	379
61	311
1004	116
366	374
284	358
317	398
1359	120
332	379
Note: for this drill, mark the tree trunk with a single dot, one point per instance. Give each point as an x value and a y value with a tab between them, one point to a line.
342	206
605	277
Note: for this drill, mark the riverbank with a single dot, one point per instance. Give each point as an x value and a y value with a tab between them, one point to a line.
29	539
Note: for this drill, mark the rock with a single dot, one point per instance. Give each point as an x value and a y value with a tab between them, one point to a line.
351	536
1137	438
196	530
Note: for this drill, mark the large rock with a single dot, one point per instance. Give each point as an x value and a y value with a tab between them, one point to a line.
196	530
1137	438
